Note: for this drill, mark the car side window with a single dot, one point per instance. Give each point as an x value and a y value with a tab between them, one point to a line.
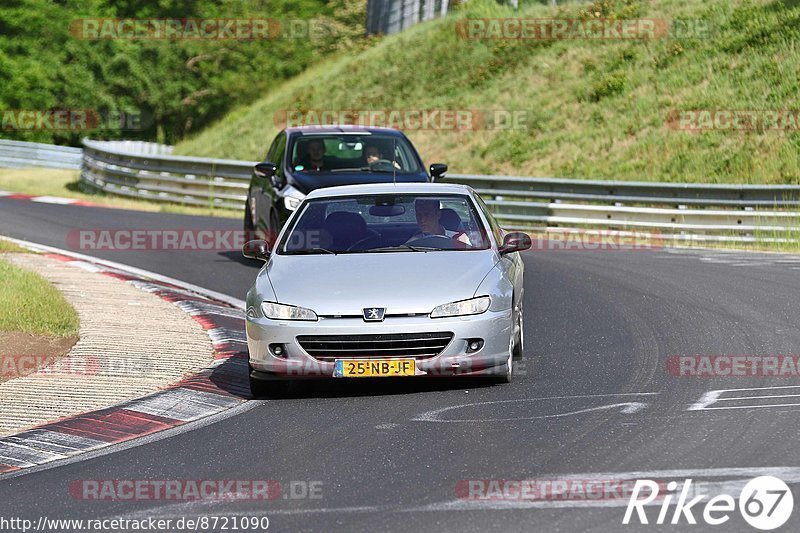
277	151
497	231
271	151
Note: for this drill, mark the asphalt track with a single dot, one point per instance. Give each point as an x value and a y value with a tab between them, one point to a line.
595	400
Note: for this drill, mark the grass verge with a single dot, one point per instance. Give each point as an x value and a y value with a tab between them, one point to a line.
8	246
29	304
66	184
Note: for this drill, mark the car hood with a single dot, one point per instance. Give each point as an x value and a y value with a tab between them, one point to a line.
308	182
403	282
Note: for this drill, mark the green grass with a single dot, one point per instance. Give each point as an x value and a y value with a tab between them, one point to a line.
8	246
66	184
595	109
29	304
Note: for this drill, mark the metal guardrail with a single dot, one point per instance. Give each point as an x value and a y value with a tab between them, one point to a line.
718	212
677	211
19	154
149	171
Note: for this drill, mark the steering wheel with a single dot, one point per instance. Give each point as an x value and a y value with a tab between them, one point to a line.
368	238
382	164
434	241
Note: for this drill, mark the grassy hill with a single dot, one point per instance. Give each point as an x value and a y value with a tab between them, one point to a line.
594	109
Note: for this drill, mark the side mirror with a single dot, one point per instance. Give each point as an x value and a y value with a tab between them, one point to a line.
257	249
437	171
265	169
516	241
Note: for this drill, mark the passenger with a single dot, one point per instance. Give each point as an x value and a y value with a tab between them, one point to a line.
373	154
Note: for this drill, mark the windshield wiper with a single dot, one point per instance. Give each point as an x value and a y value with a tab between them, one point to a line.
349	169
359	169
314	251
405	247
370	169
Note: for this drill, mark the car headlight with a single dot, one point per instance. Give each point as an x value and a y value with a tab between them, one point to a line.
278	311
292	198
473	306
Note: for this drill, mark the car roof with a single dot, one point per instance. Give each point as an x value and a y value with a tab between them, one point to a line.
390	188
340	128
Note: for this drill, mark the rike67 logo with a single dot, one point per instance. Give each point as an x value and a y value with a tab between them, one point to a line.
765	503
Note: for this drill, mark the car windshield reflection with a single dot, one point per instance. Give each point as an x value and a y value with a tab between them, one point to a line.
336	153
409	223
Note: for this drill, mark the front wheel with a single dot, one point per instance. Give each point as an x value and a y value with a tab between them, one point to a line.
519	337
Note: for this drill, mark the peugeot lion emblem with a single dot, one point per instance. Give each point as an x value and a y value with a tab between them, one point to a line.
373	314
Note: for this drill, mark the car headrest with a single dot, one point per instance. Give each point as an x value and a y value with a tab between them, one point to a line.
301	149
450	220
343	225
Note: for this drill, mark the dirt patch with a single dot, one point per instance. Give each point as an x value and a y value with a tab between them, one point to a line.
24	353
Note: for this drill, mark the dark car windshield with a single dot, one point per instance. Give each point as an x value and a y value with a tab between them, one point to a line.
332	152
386	223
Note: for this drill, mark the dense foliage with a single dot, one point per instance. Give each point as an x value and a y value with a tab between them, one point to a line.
155	89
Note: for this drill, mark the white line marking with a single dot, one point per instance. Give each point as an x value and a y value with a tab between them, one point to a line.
750	406
762	388
628	408
714	396
739	398
89	267
53	200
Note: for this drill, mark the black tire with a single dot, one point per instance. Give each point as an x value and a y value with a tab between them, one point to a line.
519	340
502	376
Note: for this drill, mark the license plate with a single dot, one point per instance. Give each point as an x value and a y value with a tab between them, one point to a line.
370	368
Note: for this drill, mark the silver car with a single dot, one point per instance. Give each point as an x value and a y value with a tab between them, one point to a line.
386	280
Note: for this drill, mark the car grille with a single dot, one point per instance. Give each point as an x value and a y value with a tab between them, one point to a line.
416	345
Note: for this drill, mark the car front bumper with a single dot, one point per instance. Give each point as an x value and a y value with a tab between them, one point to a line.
495	328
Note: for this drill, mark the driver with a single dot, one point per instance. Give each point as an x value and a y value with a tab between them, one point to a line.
314	159
428	215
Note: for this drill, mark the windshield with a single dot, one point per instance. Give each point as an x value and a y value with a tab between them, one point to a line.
346	152
386	223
